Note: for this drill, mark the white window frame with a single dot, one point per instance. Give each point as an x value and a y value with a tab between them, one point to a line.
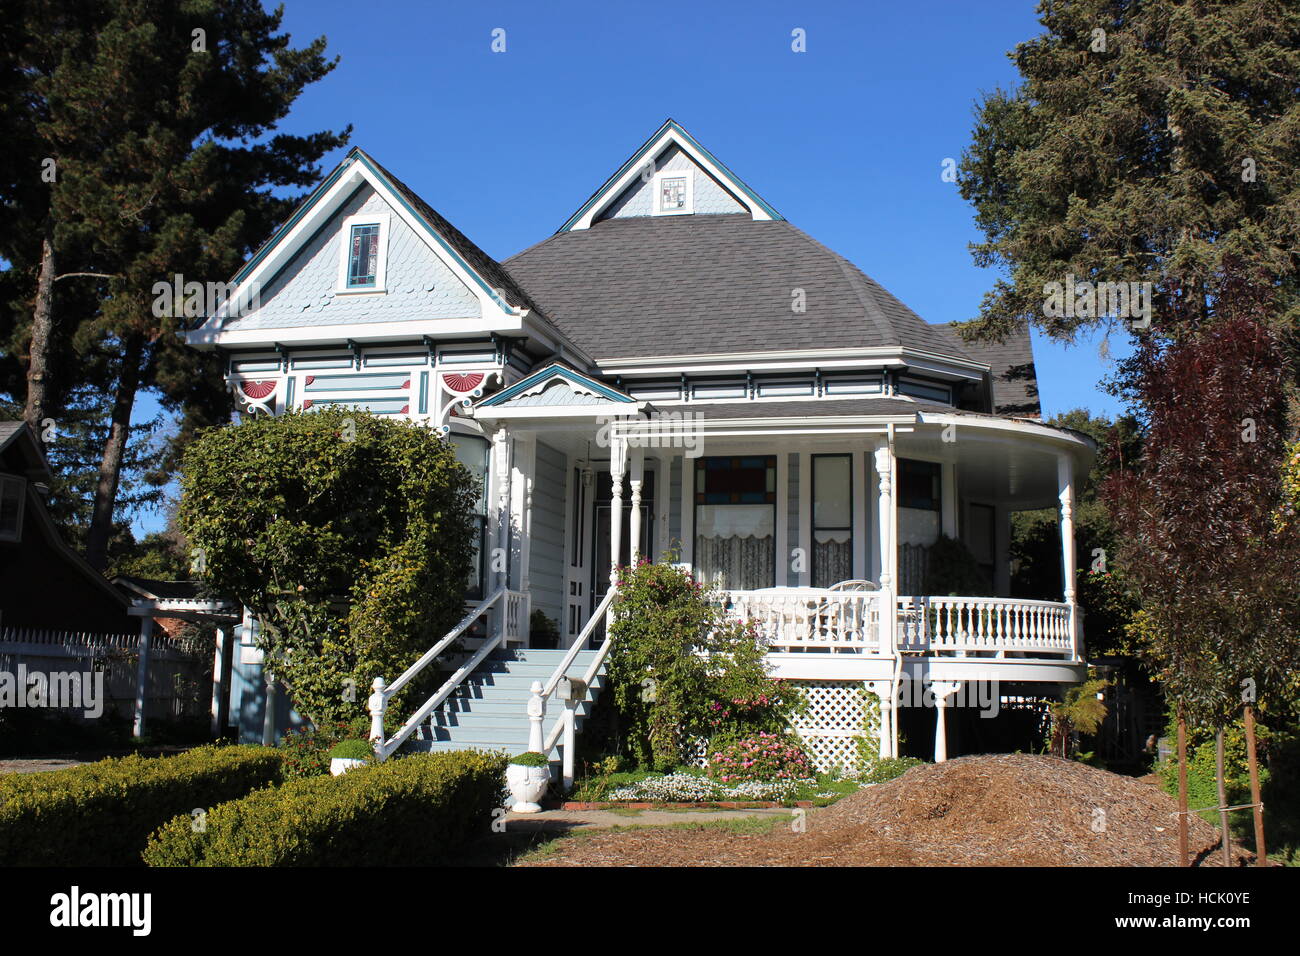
20	484
689	176
379	219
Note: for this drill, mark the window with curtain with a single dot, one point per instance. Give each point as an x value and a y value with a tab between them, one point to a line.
832	519
472	453
735	521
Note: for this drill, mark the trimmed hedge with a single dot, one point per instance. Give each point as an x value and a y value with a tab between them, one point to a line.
410	810
101	814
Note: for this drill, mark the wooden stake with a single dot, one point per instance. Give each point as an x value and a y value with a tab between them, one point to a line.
1182	792
1261	854
1223	797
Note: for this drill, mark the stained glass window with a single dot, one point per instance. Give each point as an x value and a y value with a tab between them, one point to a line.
363	260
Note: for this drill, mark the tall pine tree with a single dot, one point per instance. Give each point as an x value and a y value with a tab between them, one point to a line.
1149	140
162	129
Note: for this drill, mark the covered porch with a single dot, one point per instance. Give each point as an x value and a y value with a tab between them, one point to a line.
817	529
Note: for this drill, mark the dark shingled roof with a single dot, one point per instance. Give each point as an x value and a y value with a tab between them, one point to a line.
685	285
1011	366
493	273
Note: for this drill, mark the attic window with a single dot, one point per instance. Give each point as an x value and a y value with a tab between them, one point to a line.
365	244
673	193
11	507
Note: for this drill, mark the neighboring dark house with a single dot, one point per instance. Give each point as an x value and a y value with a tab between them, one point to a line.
43	582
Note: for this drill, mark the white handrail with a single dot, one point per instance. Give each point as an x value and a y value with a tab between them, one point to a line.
450	636
378	702
579	643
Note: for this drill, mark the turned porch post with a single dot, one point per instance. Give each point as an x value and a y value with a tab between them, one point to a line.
618	450
634	519
943	691
1065	483
500	560
884	461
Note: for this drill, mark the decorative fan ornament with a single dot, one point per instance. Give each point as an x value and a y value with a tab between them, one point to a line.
462	383
257	391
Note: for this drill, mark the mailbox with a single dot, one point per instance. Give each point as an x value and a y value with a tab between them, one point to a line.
571	688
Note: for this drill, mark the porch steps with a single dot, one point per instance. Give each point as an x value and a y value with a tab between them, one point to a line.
489	711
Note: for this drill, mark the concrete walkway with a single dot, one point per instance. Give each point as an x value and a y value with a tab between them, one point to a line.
38	764
567	820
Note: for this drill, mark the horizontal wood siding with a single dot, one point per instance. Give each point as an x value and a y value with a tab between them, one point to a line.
546	554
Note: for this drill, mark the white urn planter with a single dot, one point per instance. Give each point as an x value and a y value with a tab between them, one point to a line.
341	765
527	786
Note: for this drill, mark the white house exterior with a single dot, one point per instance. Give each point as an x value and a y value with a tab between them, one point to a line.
677	369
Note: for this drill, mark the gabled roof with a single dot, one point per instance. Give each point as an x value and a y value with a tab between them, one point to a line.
479	271
558	385
478	260
19	437
668	134
695	285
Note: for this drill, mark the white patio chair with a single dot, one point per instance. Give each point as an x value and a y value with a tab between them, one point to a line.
855	584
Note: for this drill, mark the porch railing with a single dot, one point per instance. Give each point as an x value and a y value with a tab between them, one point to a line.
563	731
972	624
512	619
811	619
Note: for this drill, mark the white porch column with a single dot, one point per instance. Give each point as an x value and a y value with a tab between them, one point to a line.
663	504
499	561
142	668
888	717
617	468
1065	482
884	461
943	691
219	689
634	519
522	480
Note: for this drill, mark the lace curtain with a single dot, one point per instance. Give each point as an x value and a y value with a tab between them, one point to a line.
736	562
832	562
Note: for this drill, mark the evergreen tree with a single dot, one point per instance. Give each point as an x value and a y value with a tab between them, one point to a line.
162	130
1149	140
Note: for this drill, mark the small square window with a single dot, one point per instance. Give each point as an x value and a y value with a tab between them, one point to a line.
363	257
672	195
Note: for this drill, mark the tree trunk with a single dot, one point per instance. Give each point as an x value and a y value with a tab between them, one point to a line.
1257	810
1223	797
1182	791
37	407
110	466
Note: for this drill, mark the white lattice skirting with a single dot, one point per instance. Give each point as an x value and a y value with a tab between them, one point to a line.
831	726
834	721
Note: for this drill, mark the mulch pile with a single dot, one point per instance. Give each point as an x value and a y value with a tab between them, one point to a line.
1004	810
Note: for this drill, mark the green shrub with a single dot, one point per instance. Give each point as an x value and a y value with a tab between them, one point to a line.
681	671
100	814
530	759
887	768
306	750
352	750
410	810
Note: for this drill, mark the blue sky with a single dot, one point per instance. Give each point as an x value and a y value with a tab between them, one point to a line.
847	140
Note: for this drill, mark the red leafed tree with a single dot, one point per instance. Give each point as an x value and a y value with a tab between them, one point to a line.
1215	573
1215	570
